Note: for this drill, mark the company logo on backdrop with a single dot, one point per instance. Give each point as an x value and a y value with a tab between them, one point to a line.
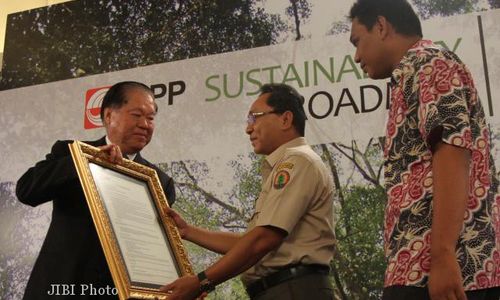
93	101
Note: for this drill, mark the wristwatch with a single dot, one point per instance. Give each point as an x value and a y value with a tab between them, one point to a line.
205	284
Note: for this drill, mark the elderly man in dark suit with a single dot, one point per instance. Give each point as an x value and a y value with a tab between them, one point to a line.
71	253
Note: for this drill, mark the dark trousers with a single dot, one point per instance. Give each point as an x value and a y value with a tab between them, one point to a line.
398	292
307	287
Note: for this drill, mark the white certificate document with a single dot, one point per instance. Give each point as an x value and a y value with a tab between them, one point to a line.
137	228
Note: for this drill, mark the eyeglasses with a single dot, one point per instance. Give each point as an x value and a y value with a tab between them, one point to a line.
252	116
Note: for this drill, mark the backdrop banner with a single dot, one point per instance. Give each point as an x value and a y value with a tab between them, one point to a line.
200	128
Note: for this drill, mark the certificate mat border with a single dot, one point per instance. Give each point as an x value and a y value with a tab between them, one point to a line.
82	155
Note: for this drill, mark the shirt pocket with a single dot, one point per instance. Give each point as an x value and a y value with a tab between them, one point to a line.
259	203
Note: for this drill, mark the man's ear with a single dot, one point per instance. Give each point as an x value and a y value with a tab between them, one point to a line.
287	119
106	117
383	27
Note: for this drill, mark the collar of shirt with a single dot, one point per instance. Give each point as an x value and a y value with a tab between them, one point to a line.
128	156
402	68
277	154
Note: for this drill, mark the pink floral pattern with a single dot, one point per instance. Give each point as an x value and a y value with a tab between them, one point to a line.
432	89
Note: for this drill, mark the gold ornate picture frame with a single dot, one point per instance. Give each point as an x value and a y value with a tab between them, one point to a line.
141	243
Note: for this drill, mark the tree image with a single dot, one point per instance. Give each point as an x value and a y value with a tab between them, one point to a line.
23	231
427	9
444	8
86	37
229	212
339	27
358	265
298	9
494	3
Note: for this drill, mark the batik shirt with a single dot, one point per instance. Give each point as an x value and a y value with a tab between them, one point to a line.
432	89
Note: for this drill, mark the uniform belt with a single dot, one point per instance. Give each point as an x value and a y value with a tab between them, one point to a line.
291	272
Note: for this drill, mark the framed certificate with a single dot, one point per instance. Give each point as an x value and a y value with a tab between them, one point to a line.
141	243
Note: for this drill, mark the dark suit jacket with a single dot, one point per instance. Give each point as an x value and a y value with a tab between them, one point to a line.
71	252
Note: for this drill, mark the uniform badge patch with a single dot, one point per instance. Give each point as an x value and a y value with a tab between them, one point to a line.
281	179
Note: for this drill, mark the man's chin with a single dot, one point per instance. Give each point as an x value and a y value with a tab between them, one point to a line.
256	150
379	75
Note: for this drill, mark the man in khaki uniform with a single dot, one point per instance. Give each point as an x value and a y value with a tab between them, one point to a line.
286	251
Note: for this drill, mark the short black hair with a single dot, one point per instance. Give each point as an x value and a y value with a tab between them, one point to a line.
115	97
397	12
285	98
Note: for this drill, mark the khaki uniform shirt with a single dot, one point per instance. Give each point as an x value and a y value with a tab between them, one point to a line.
297	197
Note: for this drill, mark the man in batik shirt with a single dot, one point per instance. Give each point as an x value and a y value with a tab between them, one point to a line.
442	219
